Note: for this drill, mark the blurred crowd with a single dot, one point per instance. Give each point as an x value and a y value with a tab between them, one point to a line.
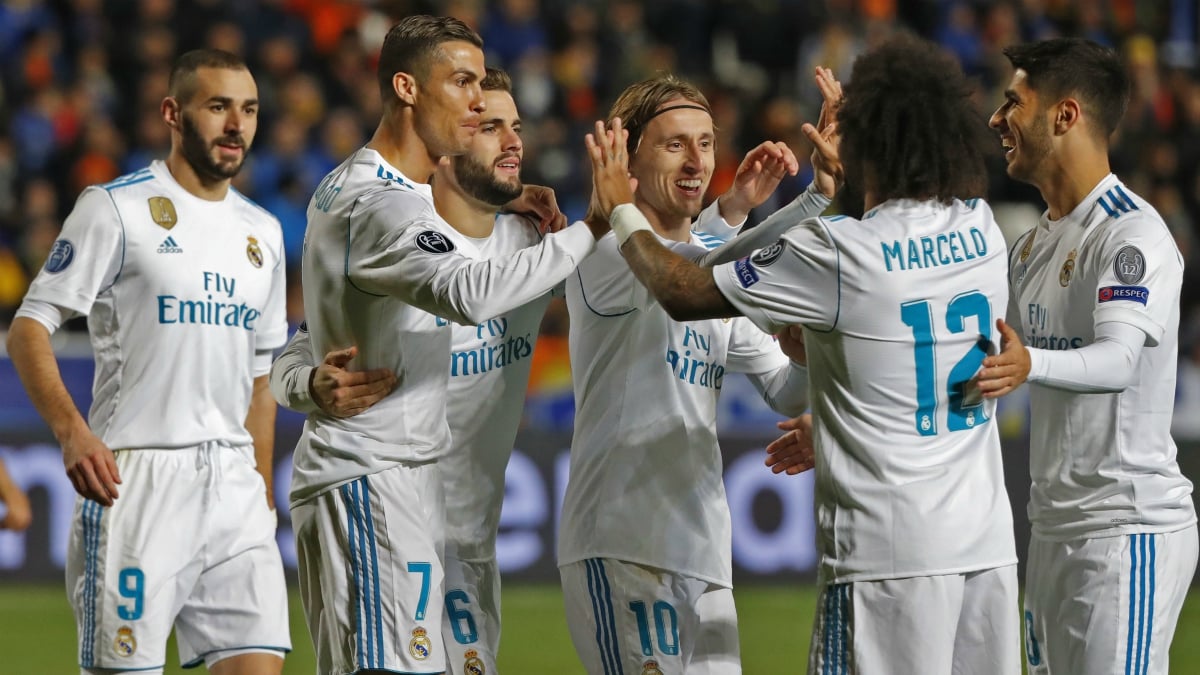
81	82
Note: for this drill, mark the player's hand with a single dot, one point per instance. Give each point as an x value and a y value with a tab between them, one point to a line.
756	179
611	183
793	452
91	466
791	343
1007	370
828	173
19	515
539	203
343	393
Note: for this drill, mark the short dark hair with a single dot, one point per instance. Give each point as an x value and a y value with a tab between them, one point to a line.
411	46
908	123
639	103
1076	67
182	83
496	80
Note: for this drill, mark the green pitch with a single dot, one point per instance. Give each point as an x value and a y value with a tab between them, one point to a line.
37	634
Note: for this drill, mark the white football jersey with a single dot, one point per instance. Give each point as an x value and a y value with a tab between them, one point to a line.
645	480
898	312
1103	463
489	373
378	262
180	293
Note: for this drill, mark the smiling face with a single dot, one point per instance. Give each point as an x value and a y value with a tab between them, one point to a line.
674	162
449	100
218	121
490	171
1024	124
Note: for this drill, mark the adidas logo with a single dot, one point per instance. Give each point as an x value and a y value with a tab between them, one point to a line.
169	246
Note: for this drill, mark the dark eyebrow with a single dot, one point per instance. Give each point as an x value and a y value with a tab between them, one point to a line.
229	101
1012	94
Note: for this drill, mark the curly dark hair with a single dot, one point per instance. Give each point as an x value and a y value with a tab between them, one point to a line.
1091	72
909	127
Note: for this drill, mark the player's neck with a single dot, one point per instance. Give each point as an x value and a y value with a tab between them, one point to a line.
1066	185
188	179
469	216
679	229
398	143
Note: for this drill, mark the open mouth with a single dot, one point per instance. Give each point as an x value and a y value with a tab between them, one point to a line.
1009	146
690	187
509	165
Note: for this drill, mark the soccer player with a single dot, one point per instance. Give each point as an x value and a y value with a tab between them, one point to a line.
645	538
182	281
489	366
1094	322
17	515
384	273
918	565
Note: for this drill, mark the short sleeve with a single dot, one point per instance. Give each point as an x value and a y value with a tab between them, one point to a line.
1140	276
86	258
273	330
796	280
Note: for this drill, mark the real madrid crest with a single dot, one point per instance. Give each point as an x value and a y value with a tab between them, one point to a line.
473	664
162	212
419	646
651	668
1028	247
124	644
1068	268
253	252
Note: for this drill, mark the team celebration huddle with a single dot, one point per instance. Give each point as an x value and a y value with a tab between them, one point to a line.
884	327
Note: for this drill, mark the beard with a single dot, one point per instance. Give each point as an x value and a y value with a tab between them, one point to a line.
1035	147
198	152
479	181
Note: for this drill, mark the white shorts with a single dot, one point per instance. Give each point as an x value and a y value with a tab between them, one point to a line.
1106	605
965	624
370	567
471	625
629	618
190	542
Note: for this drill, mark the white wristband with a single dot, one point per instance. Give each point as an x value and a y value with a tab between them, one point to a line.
625	220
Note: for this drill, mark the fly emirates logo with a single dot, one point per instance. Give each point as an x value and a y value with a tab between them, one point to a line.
692	361
218	307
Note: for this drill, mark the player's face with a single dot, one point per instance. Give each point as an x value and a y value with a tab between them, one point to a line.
491	169
674	162
1024	128
449	100
218	123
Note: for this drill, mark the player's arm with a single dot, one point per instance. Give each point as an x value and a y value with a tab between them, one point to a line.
299	384
18	515
90	464
260	422
1138	290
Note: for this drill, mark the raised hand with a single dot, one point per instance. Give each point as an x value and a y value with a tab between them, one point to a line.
611	183
827	165
793	452
757	177
538	202
343	393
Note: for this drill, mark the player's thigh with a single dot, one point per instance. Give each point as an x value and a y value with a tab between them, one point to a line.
717	651
1109	604
471	622
239	602
889	626
987	639
625	617
371	572
131	566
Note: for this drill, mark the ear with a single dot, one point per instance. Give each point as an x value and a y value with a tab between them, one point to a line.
1067	114
405	86
171	111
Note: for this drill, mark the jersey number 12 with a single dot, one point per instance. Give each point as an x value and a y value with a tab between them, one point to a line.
965	411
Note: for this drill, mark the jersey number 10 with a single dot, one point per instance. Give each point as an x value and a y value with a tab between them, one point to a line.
965	410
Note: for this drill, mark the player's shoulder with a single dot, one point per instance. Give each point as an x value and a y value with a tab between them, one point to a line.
1118	214
516	231
125	184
